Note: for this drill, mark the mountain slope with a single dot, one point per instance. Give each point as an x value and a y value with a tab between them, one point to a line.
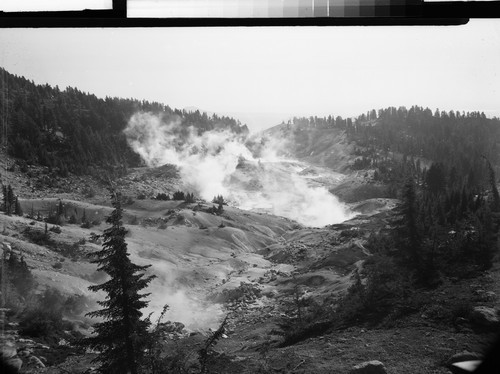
70	130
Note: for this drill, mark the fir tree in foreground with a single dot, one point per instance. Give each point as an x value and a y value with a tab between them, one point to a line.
122	336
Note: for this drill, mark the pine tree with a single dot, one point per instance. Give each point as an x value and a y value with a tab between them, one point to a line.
11	199
410	225
494	189
5	200
123	335
60	209
18	209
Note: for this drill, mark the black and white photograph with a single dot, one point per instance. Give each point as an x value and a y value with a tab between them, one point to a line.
286	199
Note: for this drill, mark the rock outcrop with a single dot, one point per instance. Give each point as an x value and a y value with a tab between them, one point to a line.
369	367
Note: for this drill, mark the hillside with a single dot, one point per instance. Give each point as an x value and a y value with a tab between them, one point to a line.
252	266
72	131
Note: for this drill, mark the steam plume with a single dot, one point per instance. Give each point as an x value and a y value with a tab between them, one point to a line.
208	165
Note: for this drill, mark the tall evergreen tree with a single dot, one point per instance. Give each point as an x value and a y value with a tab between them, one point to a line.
5	200
11	198
494	189
122	336
409	223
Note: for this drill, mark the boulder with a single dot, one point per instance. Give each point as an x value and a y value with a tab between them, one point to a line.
12	365
369	367
464	356
485	316
35	362
8	350
465	367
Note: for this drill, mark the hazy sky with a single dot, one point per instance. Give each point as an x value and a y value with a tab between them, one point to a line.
264	75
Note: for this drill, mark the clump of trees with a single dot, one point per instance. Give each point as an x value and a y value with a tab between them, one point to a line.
11	203
178	195
162	196
219	199
16	277
443	231
187	197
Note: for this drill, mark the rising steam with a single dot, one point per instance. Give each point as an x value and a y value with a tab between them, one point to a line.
208	165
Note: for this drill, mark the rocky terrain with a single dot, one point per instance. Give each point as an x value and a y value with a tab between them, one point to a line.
260	270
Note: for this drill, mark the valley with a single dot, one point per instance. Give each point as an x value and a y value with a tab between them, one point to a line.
245	263
320	245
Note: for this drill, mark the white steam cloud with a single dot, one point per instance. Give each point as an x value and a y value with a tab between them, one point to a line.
208	165
186	305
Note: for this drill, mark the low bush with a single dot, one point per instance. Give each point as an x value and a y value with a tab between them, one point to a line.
127	200
163	196
38	237
55	229
41	322
55	219
86	225
88	192
178	195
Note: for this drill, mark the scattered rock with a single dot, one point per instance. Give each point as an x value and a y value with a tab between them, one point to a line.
369	367
485	316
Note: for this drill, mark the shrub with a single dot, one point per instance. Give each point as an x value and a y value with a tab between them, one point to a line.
141	196
23	166
69	250
75	305
178	195
57	265
55	229
40	322
189	198
54	219
73	220
45	319
86	225
126	200
38	237
206	353
162	196
219	199
88	192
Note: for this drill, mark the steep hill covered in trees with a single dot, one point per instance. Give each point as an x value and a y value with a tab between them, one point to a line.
70	130
380	139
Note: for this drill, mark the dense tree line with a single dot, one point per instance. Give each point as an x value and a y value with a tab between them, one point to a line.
70	130
457	140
